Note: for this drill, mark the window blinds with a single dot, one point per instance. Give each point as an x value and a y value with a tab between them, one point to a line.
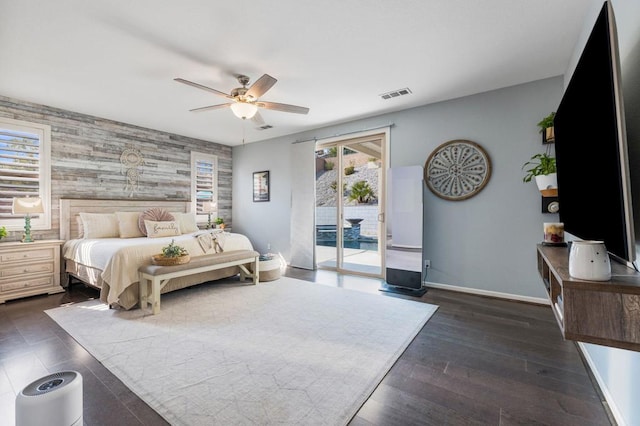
20	158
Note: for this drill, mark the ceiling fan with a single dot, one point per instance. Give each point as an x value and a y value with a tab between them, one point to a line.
245	101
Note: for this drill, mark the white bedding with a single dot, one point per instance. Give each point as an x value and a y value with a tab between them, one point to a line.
120	258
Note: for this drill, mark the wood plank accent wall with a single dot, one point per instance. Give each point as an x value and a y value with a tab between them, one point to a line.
85	160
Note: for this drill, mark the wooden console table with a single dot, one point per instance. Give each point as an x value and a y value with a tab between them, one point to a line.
602	312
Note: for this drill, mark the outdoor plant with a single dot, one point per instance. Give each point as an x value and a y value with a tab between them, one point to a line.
3	232
334	186
361	192
546	122
172	250
350	170
328	165
540	164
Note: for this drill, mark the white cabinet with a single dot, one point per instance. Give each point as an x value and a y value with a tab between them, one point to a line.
28	269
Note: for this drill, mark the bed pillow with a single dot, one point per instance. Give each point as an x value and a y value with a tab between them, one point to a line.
155	214
187	222
80	227
128	224
99	225
161	229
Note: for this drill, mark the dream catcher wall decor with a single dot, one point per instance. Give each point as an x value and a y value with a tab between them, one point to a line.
131	160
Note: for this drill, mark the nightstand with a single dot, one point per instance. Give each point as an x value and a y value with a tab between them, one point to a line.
28	269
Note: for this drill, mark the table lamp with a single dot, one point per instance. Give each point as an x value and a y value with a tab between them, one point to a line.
27	206
209	207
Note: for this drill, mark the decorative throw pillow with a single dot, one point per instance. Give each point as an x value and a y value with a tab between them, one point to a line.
187	222
161	229
99	225
155	214
128	224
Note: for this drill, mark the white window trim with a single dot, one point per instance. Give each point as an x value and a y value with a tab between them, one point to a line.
43	222
195	156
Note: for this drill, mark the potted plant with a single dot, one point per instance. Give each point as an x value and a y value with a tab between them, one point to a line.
219	223
546	128
542	167
3	232
172	254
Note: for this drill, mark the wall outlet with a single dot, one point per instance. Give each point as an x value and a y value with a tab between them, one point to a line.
427	264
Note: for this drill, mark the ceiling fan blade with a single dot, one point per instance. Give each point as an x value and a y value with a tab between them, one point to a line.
200	86
283	107
257	119
210	107
261	86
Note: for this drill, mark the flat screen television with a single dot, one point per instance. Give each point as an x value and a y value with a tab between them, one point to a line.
594	191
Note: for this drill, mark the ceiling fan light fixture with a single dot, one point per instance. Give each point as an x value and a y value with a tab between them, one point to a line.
244	110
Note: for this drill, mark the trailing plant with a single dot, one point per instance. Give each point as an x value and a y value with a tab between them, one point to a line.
172	250
547	122
361	192
541	164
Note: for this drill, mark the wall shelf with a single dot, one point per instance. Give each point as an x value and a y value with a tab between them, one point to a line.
605	313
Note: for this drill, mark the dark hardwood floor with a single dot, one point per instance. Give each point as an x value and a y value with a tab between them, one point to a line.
477	361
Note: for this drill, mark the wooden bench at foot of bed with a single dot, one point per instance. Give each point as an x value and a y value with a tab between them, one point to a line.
157	277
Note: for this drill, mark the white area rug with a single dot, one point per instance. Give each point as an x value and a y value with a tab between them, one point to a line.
283	352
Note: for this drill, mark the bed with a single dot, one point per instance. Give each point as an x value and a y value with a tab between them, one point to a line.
111	264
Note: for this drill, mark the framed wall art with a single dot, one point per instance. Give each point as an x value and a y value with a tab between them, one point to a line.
457	170
261	187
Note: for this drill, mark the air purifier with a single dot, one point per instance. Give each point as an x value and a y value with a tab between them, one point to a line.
54	400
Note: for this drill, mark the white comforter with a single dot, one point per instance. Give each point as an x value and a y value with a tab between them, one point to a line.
120	258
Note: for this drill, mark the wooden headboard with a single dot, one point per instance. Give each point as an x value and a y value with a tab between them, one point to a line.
71	207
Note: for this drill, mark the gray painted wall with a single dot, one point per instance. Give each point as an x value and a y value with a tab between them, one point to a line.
85	159
485	243
618	370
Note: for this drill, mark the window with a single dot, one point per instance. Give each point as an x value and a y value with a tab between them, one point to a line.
25	170
204	184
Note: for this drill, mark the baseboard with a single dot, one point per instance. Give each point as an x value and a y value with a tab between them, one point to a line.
496	294
613	408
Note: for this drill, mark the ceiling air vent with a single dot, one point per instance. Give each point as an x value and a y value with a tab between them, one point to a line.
396	93
265	127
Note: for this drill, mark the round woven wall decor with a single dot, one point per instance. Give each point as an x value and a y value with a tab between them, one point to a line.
457	170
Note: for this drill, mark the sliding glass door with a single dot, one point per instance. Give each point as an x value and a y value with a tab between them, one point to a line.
350	182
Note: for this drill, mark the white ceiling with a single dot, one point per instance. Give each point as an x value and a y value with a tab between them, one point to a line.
117	59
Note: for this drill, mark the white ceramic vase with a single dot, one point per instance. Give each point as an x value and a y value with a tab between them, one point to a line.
589	260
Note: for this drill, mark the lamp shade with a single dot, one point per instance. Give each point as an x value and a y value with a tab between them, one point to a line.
209	206
244	110
27	205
